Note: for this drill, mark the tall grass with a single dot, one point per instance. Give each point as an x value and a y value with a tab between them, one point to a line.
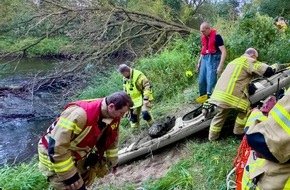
24	176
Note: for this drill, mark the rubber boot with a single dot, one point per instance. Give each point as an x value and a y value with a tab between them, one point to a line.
212	136
134	125
150	123
238	130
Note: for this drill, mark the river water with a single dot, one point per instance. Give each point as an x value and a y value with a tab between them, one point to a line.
19	134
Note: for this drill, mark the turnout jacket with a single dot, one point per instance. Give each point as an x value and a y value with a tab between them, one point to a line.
271	140
79	129
138	87
231	90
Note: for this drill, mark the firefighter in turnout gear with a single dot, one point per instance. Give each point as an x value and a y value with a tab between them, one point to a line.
269	164
82	143
137	85
231	91
280	23
258	114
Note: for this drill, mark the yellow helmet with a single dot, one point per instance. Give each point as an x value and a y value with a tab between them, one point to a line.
188	73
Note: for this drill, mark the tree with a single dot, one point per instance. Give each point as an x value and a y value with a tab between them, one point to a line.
101	28
275	8
228	9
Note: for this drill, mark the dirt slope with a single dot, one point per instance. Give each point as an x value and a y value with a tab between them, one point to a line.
152	166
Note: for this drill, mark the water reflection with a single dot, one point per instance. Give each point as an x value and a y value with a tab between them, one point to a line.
23	66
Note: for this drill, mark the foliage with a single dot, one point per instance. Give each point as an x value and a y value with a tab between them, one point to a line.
253	30
227	9
10	9
275	8
206	163
25	176
169	66
102	86
156	8
48	46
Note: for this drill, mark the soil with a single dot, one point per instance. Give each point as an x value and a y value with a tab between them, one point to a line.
151	166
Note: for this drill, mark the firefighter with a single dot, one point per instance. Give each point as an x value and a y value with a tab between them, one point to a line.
231	91
280	24
136	84
82	143
269	166
245	152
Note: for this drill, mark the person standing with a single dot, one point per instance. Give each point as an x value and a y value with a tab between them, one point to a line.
231	91
211	60
82	142
136	84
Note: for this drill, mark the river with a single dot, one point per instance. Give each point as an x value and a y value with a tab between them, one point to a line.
19	134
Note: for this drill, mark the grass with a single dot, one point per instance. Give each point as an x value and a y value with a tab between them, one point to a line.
24	176
204	166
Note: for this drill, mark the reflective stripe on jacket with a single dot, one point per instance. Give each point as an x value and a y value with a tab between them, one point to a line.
75	134
262	174
231	90
255	117
275	141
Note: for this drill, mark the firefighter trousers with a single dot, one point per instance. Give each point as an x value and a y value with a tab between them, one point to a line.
219	119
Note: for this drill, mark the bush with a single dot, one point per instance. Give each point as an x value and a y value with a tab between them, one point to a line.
259	32
166	71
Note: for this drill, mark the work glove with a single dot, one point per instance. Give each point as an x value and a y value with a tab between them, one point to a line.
114	170
99	171
207	108
75	182
276	67
207	105
91	160
252	89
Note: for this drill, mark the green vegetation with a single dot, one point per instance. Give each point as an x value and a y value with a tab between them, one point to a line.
48	46
25	176
204	165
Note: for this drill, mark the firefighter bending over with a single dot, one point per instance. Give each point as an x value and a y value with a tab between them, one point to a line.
82	143
232	91
137	85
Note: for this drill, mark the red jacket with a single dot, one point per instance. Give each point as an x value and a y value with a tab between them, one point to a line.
93	110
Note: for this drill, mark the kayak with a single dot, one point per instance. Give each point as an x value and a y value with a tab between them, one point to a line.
195	121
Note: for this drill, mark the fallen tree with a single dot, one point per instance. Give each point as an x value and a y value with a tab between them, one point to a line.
108	31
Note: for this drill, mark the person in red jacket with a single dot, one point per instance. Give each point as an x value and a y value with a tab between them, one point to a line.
82	143
211	61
